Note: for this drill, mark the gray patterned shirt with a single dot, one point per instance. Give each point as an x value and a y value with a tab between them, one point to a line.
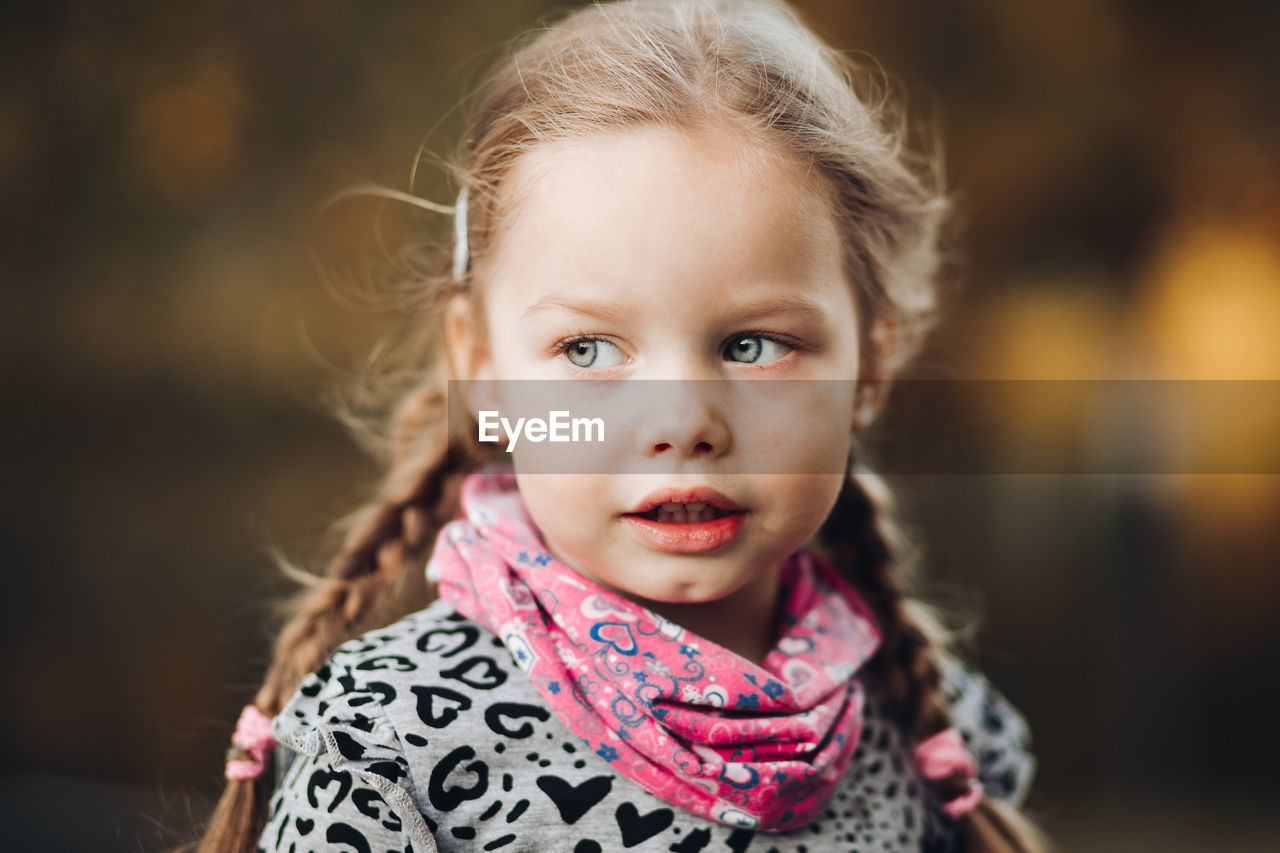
425	736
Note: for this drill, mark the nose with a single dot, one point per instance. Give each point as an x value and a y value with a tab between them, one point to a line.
685	419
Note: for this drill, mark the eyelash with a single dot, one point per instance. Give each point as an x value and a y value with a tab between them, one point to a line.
576	338
785	340
559	347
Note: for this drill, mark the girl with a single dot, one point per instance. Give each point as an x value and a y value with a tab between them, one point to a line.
676	658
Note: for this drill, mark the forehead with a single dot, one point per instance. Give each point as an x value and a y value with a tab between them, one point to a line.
656	204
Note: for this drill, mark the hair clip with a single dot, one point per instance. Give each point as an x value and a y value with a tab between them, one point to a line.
252	743
944	755
461	251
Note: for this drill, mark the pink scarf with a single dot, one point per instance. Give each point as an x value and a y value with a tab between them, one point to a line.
692	722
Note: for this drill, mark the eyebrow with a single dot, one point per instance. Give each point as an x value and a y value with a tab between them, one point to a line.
788	303
607	311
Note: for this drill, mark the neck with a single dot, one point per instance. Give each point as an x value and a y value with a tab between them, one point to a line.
743	622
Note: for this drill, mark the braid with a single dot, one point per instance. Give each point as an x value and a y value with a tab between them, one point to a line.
383	538
365	585
864	539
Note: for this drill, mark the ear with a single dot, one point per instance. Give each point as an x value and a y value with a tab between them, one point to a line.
467	344
873	374
470	358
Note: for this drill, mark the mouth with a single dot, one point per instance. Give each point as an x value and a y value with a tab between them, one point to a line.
685	506
680	513
689	522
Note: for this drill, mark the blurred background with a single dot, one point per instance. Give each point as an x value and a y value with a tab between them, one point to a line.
167	337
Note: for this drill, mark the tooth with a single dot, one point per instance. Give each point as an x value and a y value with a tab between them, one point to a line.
671	507
695	507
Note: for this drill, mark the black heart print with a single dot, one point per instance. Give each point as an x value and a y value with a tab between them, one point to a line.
439	706
636	829
494	714
491	677
574	801
454	640
320	781
448	799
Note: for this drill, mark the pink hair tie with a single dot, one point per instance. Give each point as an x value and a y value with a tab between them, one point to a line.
944	755
251	744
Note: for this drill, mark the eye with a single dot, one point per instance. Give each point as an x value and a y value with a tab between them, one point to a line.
592	353
755	349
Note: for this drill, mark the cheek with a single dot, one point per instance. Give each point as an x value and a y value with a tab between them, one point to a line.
809	501
541	495
563	505
571	513
802	427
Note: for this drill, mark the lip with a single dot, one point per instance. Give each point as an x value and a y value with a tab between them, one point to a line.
700	495
687	537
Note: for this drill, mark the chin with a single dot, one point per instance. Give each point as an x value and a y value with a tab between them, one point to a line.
684	595
689	591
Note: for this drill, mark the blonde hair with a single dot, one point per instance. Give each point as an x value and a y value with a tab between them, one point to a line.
753	66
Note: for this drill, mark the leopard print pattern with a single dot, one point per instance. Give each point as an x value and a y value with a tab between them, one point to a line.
426	736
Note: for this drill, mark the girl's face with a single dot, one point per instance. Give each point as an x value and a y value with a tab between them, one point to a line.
656	254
